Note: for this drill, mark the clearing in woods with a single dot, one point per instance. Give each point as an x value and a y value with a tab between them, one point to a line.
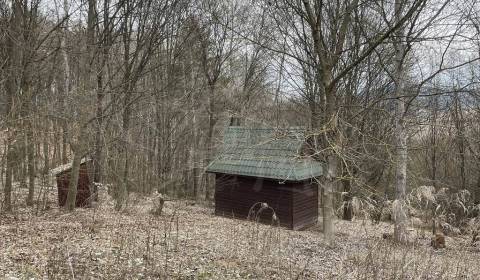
189	242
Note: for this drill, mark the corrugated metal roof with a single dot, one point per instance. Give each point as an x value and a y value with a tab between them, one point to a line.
265	153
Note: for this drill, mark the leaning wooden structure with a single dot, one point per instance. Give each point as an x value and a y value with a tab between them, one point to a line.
84	186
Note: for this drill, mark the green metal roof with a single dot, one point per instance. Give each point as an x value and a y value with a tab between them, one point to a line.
265	153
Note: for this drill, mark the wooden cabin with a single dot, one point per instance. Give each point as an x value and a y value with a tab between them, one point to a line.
84	186
262	165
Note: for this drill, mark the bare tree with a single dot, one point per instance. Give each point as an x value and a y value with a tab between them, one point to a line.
216	46
324	38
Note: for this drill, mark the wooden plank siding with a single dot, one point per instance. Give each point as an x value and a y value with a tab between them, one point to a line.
235	196
305	205
83	187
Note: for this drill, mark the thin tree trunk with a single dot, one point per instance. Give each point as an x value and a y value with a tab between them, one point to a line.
97	157
30	163
433	143
72	187
460	139
124	185
11	89
46	153
64	142
56	143
7	202
347	199
477	188
97	160
193	152
209	140
66	82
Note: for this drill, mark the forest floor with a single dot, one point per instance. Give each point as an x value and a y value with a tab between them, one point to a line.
189	242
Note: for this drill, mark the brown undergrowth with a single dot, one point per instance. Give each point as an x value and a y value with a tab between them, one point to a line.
189	242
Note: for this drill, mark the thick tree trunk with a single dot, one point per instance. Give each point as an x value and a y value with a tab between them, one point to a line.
400	176
328	194
325	121
329	143
401	149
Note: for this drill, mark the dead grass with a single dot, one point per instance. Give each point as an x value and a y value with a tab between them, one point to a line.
189	242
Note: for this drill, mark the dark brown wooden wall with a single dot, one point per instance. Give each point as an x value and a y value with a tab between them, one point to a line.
305	205
83	187
235	196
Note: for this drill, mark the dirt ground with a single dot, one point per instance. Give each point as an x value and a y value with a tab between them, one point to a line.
189	242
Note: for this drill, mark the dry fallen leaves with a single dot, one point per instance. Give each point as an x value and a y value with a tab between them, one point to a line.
189	242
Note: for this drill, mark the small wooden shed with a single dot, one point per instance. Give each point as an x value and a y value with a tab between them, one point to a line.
84	186
262	165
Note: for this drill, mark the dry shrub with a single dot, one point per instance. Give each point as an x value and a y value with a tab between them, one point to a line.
373	208
407	262
158	203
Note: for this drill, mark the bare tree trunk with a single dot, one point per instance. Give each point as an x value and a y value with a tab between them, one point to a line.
209	141
193	152
329	139
188	80
97	157
401	149
56	159
477	189
124	185
328	193
11	88
460	138
30	163
46	151
347	198
72	187
64	156
66	82
2	165
7	202
433	142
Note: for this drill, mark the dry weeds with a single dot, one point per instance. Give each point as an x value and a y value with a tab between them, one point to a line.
189	242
